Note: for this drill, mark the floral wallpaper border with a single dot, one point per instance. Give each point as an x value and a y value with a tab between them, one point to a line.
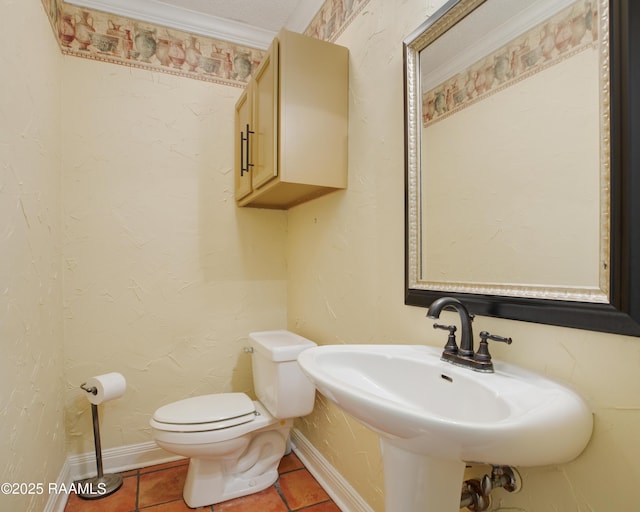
115	39
570	31
333	17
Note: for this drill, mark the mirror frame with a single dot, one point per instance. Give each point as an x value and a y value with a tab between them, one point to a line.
622	314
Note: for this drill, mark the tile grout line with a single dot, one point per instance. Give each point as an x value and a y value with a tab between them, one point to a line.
276	485
309	507
137	489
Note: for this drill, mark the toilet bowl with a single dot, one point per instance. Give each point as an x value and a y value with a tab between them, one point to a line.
234	443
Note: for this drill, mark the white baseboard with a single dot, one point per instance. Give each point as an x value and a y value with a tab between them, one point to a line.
57	502
341	492
124	458
114	460
121	458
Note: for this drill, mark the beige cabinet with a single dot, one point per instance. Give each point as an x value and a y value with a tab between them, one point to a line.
291	124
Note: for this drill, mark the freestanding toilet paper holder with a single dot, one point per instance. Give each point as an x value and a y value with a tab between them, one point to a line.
101	485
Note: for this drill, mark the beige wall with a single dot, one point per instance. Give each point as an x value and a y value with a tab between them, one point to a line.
345	257
31	336
164	276
118	182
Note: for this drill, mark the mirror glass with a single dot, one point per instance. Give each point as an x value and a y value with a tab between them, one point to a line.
510	159
509	151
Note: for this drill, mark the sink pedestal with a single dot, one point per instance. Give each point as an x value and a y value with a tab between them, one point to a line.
420	483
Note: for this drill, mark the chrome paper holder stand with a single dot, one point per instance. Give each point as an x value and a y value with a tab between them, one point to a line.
101	485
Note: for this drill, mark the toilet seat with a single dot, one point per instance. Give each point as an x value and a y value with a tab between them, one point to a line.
178	435
205	413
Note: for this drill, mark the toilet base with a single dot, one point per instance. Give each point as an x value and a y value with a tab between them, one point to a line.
211	480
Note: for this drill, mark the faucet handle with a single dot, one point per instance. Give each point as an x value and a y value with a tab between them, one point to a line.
483	350
488	336
451	347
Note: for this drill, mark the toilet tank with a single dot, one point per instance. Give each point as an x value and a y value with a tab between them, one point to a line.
278	380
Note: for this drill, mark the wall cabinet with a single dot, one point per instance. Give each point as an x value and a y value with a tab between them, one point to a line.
291	124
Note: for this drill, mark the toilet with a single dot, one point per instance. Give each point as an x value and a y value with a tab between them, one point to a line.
234	443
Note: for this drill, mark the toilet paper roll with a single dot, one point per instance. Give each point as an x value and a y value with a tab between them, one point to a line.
108	386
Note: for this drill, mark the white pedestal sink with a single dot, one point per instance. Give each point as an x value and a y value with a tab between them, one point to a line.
433	417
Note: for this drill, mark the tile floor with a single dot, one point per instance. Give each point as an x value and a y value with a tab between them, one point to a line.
159	489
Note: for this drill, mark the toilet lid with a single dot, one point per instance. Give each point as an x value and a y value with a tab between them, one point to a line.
227	408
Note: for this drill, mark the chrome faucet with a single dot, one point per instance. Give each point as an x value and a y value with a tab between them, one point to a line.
465	355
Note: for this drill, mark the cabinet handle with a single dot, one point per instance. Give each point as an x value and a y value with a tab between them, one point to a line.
243	169
249	132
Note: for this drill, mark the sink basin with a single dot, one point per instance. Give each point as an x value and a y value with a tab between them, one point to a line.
511	417
434	415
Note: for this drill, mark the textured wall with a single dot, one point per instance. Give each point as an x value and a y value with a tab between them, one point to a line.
164	276
31	362
346	273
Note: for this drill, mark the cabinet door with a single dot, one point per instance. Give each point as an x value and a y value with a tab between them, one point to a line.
243	141
265	119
